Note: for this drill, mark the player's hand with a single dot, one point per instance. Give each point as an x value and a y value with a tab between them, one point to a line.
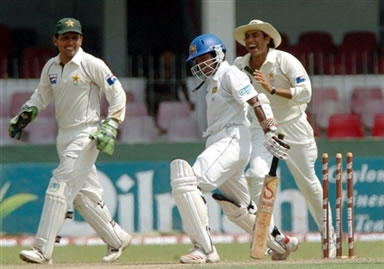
105	136
21	120
260	78
276	146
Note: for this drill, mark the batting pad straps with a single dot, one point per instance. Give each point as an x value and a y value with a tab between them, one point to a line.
52	218
238	214
190	203
98	216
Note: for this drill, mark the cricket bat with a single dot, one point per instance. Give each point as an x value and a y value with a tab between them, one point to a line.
264	211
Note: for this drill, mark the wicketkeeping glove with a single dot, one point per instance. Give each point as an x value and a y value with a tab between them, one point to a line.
276	146
21	120
105	136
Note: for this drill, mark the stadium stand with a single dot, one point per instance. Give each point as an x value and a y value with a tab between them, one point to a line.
136	109
286	44
3	64
183	129
354	56
378	126
364	94
369	109
170	110
314	49
6	39
42	130
344	126
138	129
33	59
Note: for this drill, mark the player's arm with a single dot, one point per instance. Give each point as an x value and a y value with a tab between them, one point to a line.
105	137
243	91
28	112
263	111
301	89
264	82
112	89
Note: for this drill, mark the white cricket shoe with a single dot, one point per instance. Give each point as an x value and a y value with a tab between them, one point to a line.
34	256
197	255
291	244
114	253
275	244
332	245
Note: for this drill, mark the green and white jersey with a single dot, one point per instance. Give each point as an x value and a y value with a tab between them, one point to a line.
282	70
76	89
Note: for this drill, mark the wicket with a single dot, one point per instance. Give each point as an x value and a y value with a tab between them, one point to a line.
339	205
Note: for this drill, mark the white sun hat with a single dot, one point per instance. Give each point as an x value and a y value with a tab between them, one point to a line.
239	32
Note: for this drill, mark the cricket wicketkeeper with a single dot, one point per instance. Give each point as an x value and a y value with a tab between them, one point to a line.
74	80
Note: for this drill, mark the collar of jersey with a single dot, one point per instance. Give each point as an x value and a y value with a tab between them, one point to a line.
220	70
76	59
271	58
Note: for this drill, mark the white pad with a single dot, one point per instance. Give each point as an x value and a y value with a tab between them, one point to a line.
98	216
191	205
52	218
240	215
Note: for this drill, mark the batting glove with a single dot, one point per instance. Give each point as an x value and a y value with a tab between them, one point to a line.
21	120
105	136
276	146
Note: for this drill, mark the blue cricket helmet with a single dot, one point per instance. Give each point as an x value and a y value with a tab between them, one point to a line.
203	44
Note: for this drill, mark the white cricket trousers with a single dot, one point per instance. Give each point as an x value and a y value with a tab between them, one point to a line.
78	154
76	173
222	164
301	163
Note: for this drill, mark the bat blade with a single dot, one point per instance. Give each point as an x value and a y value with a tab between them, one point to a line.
265	210
263	217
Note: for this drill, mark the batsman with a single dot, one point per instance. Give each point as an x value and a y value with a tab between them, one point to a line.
229	97
75	80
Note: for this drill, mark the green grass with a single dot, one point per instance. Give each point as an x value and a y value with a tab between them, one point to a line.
370	255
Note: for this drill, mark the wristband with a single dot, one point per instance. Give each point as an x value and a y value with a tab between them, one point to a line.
273	91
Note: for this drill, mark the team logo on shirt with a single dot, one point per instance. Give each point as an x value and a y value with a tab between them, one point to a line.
52	78
245	90
271	75
111	79
300	79
75	79
214	89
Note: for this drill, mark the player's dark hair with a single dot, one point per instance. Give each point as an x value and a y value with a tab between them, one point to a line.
271	42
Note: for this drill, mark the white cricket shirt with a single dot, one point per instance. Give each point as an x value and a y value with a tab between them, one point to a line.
282	70
76	90
227	93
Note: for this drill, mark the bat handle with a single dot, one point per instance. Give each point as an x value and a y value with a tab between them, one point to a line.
275	160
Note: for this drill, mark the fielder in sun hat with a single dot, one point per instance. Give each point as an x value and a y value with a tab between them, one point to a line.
68	25
239	32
